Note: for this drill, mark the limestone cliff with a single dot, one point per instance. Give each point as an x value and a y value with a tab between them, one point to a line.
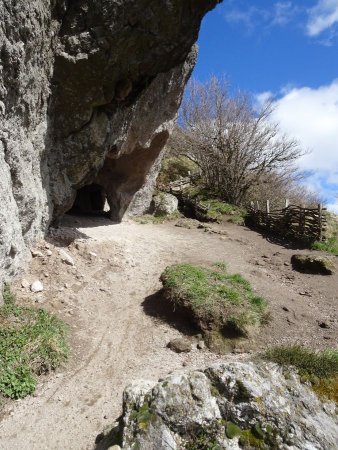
89	90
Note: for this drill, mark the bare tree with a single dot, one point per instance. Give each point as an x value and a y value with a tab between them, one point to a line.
234	143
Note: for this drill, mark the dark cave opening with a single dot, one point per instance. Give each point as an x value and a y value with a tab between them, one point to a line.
90	200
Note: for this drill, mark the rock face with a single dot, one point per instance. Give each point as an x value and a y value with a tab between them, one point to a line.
227	406
89	90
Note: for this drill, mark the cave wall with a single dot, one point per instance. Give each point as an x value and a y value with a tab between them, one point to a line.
89	90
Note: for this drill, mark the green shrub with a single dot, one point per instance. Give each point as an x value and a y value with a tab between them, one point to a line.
319	368
214	299
176	167
32	342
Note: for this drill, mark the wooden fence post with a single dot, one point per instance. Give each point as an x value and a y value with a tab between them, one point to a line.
286	203
268	206
320	221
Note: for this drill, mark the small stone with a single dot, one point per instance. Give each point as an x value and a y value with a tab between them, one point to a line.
46	274
323	325
49	253
180	345
66	258
25	284
37	286
47	246
93	254
201	345
36	254
285	309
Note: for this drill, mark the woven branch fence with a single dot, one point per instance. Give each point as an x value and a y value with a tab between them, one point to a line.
292	221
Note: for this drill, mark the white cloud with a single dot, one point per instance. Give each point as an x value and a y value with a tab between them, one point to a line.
253	17
333	207
311	116
323	16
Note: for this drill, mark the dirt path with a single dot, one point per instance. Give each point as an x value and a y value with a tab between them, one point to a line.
108	300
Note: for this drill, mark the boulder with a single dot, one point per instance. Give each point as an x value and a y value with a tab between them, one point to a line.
313	264
180	345
228	406
164	204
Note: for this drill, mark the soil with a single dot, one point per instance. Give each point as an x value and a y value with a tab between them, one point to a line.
120	327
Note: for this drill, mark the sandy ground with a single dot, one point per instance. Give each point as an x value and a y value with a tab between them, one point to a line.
109	300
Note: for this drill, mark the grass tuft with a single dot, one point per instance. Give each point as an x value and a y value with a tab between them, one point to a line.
319	368
32	342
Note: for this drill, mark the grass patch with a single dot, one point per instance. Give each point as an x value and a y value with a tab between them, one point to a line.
330	244
32	342
319	368
158	219
216	209
215	300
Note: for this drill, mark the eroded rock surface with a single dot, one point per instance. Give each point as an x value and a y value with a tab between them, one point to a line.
228	406
89	90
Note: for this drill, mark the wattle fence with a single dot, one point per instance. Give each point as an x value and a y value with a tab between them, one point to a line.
296	222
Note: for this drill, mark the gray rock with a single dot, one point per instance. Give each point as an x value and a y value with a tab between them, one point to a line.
180	345
66	258
314	264
36	254
75	109
37	286
201	345
165	204
225	404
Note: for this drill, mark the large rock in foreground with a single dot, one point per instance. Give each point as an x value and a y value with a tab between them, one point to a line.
89	90
228	406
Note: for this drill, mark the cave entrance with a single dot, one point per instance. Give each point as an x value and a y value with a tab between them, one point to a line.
91	200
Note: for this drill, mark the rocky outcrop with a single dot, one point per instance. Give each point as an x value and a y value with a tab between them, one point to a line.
89	90
164	204
228	406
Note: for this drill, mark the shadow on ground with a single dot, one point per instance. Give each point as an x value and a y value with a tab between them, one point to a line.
276	239
105	440
160	308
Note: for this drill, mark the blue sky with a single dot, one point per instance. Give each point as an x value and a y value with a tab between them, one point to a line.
287	50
